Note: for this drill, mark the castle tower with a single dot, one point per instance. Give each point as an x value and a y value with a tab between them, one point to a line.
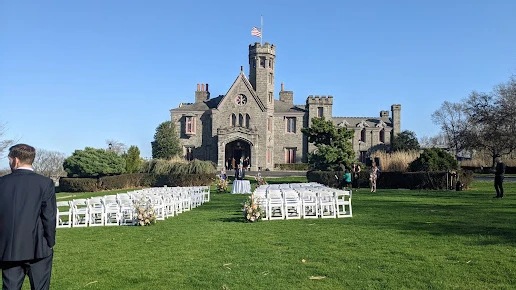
396	119
261	72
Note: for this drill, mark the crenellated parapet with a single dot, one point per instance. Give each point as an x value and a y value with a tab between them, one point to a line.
258	48
319	100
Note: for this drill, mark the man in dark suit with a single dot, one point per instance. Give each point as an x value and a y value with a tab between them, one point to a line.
27	222
240	172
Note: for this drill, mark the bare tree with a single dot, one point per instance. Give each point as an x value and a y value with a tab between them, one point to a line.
118	147
453	122
4	143
492	119
49	163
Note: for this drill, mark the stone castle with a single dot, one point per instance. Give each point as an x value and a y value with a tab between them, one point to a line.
250	122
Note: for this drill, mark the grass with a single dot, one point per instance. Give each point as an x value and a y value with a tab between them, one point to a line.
397	239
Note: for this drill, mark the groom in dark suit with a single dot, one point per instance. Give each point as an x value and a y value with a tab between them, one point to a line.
27	222
240	172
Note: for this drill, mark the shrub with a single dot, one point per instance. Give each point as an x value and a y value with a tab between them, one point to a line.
121	181
77	184
325	177
396	161
433	159
92	162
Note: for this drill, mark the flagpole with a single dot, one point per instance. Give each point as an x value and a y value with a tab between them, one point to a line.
261	28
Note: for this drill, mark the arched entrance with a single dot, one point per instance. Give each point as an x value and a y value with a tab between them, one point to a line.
236	151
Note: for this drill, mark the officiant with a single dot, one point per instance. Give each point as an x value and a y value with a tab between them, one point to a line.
239	172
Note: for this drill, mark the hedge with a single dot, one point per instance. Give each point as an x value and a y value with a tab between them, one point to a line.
292	166
124	181
410	180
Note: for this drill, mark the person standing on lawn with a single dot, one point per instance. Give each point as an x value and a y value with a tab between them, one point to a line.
499	176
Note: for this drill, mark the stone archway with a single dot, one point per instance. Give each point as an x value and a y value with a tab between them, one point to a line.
236	151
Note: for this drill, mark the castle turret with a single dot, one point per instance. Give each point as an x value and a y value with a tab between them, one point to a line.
261	72
319	107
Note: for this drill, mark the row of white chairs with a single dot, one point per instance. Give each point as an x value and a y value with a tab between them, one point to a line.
303	200
121	209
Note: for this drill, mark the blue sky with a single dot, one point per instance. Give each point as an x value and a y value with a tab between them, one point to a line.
76	73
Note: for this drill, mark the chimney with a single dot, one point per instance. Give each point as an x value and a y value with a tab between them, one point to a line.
201	94
286	96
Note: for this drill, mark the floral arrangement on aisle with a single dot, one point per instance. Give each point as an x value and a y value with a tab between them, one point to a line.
260	180
145	214
222	184
252	210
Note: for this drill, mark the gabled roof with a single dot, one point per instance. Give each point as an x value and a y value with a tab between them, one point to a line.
242	78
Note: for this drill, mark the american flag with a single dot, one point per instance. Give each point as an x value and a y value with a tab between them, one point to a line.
256	32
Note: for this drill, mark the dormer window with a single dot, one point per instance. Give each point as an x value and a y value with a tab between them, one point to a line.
190	125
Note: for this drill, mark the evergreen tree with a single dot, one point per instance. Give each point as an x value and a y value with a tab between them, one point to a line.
166	141
133	162
92	162
333	144
404	141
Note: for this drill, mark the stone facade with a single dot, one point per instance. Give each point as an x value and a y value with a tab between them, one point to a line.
248	121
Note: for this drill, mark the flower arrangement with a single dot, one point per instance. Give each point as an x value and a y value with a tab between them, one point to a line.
222	185
260	180
252	210
145	214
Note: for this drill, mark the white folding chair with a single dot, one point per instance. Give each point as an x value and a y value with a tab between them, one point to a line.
310	204
292	204
96	212
126	209
80	216
276	211
343	203
112	211
327	204
64	214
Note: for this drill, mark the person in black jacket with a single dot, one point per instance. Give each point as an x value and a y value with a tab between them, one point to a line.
499	176
27	222
240	172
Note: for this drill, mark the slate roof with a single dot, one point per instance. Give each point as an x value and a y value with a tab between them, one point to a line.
354	121
282	107
204	106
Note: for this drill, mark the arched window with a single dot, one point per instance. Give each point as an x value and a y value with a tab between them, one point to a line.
232	120
247	120
240	120
363	135
382	136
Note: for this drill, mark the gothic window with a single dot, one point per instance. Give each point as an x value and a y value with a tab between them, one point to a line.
363	135
240	120
269	125
270	78
381	136
247	120
190	125
270	97
320	112
291	124
290	155
241	100
233	120
262	61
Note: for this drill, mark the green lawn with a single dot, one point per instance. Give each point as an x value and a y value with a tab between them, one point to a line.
397	239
